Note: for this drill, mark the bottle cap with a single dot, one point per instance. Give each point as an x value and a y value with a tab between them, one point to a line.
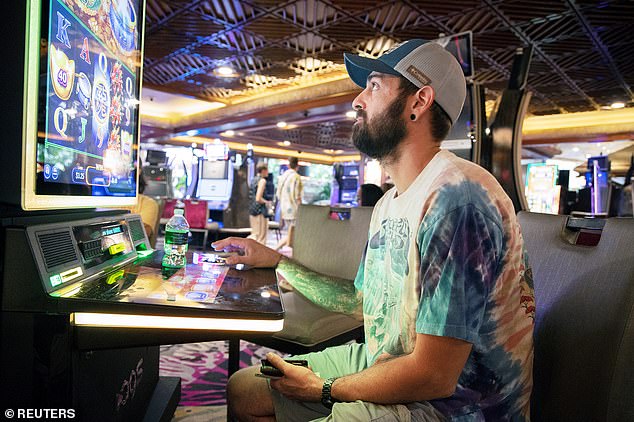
179	211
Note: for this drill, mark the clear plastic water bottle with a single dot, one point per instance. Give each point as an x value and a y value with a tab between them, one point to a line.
176	236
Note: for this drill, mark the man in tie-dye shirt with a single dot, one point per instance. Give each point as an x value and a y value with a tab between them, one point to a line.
444	288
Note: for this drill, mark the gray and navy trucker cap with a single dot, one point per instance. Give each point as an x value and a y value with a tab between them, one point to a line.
422	63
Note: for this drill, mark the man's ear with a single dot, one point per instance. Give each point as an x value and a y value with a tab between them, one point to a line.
423	99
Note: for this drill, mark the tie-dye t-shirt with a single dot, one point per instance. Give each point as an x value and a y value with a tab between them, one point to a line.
446	258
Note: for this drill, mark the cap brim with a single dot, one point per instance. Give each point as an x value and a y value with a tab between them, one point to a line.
360	67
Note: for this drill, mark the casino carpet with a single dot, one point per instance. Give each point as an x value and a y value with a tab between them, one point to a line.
202	368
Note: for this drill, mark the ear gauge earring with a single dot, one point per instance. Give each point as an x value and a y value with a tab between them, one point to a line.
412	117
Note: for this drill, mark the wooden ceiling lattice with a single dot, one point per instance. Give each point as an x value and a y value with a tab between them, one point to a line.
582	49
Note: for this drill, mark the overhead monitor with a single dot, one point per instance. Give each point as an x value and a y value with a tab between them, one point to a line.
460	45
156	157
81	96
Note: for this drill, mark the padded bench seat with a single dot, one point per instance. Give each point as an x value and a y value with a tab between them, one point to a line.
584	321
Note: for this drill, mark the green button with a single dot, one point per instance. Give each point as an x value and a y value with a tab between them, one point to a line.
56	280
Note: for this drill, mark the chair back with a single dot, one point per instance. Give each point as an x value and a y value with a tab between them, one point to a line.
584	327
330	246
168	208
196	213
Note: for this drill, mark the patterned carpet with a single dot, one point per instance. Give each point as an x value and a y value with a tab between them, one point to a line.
202	368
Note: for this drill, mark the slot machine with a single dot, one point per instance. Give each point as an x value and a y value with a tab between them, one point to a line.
215	183
85	302
347	180
158	175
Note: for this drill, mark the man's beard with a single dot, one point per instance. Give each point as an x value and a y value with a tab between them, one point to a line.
380	137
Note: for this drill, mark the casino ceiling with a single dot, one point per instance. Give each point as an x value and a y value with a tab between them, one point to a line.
285	58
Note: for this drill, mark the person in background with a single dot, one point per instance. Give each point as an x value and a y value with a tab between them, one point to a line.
269	195
148	209
289	196
258	205
444	285
369	194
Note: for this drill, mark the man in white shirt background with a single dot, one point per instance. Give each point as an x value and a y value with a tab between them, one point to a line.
289	196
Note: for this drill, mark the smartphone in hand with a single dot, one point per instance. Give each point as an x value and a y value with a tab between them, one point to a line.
267	370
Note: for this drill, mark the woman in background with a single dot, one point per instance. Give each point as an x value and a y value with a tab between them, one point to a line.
258	205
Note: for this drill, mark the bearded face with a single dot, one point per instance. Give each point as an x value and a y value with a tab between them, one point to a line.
380	137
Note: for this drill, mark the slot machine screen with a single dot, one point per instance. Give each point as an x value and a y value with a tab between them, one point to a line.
214	169
155	157
350	171
88	82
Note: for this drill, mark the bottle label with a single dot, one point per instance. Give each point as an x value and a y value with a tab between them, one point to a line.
176	238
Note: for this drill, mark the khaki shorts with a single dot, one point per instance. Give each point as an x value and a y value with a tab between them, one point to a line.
337	362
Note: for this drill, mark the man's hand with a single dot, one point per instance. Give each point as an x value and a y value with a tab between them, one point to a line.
298	383
251	252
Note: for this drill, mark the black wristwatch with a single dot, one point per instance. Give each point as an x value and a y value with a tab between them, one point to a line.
326	397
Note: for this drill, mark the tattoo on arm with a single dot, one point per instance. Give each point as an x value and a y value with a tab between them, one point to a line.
332	293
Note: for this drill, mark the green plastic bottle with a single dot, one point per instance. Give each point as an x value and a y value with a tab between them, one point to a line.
176	237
